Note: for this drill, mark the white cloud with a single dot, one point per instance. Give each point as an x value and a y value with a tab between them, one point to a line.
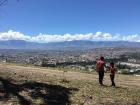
98	36
13	35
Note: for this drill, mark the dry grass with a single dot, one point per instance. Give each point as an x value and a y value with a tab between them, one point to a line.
37	86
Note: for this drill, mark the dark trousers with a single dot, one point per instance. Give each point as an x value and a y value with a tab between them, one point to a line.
101	76
112	79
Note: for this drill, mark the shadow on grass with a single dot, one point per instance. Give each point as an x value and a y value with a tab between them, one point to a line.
49	94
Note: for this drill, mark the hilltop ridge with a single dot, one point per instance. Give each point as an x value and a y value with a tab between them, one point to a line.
67	45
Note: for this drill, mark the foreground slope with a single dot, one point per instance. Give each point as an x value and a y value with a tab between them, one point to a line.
41	86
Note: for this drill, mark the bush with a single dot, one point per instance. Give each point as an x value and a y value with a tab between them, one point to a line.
122	66
126	71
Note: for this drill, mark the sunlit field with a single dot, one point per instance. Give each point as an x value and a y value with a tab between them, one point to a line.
40	86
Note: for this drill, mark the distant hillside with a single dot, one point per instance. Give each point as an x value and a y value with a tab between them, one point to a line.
68	45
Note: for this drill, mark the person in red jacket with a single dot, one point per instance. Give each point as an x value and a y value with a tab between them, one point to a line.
100	69
112	70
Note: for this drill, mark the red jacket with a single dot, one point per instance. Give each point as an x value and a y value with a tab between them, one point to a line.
100	65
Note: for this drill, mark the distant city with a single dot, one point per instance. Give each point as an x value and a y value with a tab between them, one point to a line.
80	55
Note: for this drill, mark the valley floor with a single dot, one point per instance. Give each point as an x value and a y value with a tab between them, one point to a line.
21	85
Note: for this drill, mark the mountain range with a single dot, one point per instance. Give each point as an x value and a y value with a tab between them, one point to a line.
67	45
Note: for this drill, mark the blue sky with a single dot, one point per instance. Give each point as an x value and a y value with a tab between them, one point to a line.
31	17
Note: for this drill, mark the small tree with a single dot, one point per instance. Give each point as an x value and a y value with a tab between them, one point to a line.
2	2
44	62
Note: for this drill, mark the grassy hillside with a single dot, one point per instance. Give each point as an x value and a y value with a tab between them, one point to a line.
39	86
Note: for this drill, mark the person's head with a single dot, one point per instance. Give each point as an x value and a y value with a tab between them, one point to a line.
102	58
112	64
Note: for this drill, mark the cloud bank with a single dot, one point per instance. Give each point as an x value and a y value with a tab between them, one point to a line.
98	36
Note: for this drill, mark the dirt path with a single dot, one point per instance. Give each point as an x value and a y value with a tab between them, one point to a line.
125	80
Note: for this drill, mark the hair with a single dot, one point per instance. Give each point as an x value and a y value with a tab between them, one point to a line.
102	58
112	63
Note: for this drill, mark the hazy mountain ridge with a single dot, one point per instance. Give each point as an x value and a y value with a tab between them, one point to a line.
68	45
